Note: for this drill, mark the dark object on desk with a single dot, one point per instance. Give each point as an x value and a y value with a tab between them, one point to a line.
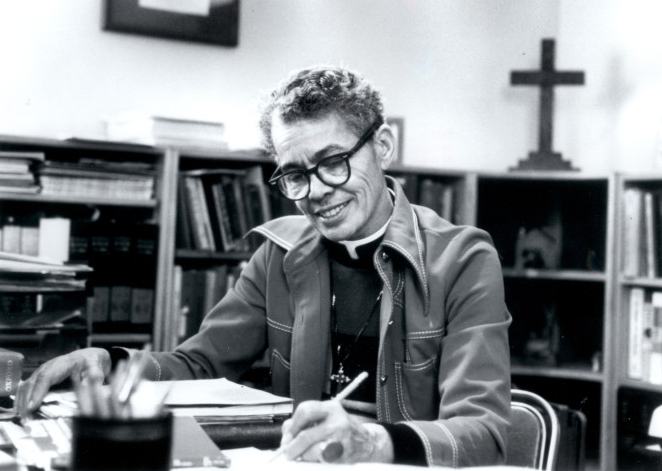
11	367
121	444
262	435
533	437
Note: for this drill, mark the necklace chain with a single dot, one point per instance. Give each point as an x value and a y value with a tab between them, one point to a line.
340	377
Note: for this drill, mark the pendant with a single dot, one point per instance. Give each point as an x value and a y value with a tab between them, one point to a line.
340	377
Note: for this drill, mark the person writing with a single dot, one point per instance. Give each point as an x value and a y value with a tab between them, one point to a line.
362	281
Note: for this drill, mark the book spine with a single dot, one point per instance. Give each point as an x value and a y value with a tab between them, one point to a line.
636	313
145	244
632	230
655	360
100	237
54	241
121	264
201	224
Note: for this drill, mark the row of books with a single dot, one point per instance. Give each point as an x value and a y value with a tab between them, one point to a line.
434	193
123	255
196	292
16	171
217	207
94	178
642	233
34	291
45	237
645	335
29	173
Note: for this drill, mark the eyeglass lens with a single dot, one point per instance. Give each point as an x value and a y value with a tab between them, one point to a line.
333	171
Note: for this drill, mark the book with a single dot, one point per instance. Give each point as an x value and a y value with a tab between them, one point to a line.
191	302
54	238
635	349
144	253
11	235
91	178
632	232
19	155
164	130
655	360
29	238
120	265
99	250
200	220
8	166
183	231
649	259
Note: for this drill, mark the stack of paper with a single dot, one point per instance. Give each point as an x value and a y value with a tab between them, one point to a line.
167	131
221	400
25	273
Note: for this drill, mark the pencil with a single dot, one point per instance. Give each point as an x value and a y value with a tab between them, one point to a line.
351	387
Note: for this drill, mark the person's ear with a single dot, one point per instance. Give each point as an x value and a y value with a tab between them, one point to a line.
385	144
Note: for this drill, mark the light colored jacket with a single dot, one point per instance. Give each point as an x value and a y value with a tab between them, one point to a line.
443	365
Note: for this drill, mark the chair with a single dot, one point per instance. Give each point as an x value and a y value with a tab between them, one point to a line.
572	438
533	437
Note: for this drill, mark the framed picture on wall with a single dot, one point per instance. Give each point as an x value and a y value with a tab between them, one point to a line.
203	21
398	126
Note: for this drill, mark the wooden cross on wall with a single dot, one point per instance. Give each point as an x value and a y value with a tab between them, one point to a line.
546	78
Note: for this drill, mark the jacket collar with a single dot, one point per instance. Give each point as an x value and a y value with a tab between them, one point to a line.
403	236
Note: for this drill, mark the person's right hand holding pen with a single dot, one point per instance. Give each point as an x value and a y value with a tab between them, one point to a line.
324	431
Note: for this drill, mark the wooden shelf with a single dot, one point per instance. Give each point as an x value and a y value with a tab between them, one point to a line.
119	337
581	373
561	275
78	200
641	385
213	257
654	283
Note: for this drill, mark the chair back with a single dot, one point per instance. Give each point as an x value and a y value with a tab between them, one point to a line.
533	437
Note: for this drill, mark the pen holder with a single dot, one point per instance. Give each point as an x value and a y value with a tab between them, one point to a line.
114	444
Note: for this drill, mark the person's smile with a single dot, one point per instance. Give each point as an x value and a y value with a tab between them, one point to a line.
330	212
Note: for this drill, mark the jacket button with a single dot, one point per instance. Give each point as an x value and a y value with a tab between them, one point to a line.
390	322
382	380
385	256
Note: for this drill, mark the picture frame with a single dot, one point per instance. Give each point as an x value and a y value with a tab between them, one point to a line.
398	126
202	21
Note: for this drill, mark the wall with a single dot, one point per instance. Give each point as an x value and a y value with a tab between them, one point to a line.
443	66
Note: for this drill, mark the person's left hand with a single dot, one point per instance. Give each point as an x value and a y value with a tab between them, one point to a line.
316	428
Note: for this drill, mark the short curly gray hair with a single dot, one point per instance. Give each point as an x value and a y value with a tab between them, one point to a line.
318	91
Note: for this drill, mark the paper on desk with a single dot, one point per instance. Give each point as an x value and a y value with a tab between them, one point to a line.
215	392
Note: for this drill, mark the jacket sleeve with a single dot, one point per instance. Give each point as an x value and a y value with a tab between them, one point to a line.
232	335
474	370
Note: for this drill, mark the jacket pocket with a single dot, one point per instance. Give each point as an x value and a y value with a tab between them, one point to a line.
280	374
416	387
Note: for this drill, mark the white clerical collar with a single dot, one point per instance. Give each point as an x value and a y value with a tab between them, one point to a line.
351	245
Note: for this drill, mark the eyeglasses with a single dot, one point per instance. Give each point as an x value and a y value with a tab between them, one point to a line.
333	171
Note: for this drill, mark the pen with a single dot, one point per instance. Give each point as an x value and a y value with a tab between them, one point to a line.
351	387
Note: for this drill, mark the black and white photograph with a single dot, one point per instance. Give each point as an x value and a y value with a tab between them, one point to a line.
318	234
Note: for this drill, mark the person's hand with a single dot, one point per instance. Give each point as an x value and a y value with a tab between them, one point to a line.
91	363
316	428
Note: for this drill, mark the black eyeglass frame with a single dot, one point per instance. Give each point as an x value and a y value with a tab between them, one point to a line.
275	177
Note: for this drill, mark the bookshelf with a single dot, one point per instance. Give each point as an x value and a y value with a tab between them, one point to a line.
638	303
90	191
570	303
